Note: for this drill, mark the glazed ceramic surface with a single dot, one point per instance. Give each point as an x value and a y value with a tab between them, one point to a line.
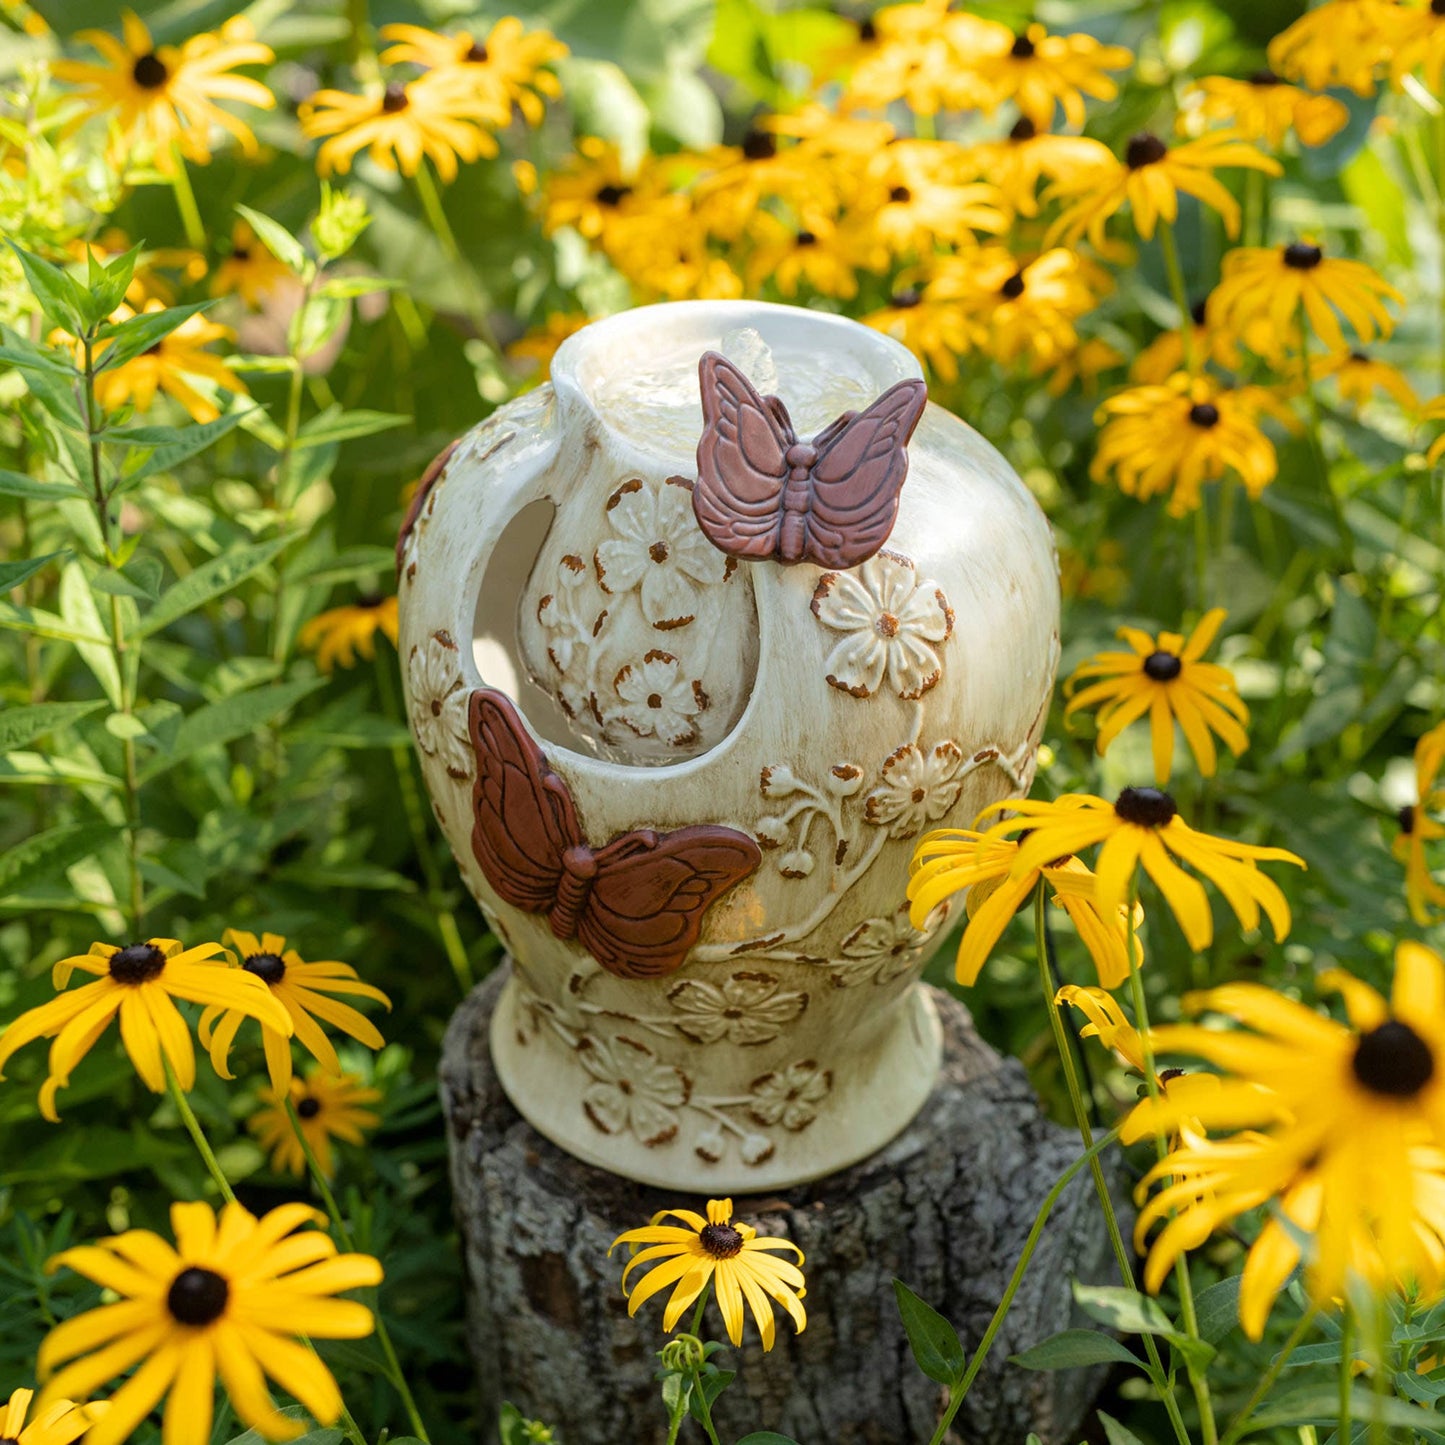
684	785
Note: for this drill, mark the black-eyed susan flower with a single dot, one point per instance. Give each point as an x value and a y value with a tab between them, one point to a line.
1086	363
58	1424
949	860
164	97
1165	354
1269	284
1106	1022
1359	376
137	984
249	271
1167	678
932	328
329	1106
737	180
303	993
1028	155
1416	37
922	54
822	254
723	1252
917	195
504	68
1177	436
1142	827
1418	828
342	634
1265	108
594	189
1149	179
172	365
428	118
1040	72
1350	1123
230	1298
1342	42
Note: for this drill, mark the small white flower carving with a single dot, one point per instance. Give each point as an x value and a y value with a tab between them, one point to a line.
659	550
749	1008
891	623
438	704
633	1091
659	700
918	786
790	1096
565	614
880	949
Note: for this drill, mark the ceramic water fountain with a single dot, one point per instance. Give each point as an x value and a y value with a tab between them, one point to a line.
697	640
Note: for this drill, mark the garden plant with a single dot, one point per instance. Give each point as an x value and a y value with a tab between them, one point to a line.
1183	263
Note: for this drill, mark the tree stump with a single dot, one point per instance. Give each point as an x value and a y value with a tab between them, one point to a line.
945	1207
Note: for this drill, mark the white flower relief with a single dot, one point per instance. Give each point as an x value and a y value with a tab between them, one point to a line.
658	550
919	785
564	614
749	1008
878	950
632	1090
658	699
790	1096
891	623
438	704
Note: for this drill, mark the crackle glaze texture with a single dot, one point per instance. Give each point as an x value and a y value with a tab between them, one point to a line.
651	758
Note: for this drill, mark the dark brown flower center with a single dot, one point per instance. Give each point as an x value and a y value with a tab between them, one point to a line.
308	1108
611	195
370	600
1406	819
900	195
867	31
1022	48
721	1241
1144	149
1167	1076
906	299
1162	666
137	963
238	253
1264	77
1204	414
1013	288
1024	129
1145	807
806	238
197	1296
477	54
1361	356
149	71
1437	7
1301	256
394	100
1197	311
654	700
760	145
1393	1060
659	551
268	967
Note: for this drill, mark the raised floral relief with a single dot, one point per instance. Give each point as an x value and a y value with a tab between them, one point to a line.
632	1091
790	1096
659	700
748	1008
891	624
657	550
919	785
879	950
438	703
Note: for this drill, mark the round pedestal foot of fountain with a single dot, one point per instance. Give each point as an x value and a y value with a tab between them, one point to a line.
945	1206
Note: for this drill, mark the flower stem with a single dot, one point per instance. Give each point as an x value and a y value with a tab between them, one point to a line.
1181	295
1086	1134
960	1391
1237	1425
431	203
1346	1373
1337	507
343	1234
198	1135
186	202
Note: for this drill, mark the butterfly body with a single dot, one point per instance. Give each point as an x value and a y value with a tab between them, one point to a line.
636	903
764	494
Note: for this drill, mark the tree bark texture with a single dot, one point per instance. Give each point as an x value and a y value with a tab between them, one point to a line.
945	1208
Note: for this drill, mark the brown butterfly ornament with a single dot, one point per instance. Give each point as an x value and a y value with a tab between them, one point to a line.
762	494
635	904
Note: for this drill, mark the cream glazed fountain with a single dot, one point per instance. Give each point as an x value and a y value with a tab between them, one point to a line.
692	657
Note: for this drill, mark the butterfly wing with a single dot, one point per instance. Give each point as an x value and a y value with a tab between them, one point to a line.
646	905
858	477
523	818
741	462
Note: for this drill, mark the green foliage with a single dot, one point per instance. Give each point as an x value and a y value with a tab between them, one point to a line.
935	1344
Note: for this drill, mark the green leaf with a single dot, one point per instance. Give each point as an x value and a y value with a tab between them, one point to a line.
339	288
1122	1309
767	1437
46	854
323	876
315	324
24	354
1197	1354
139	578
108	282
13	484
335	425
125	725
231	718
1314	1406
38	768
713	1382
937	1350
1217	1309
63	300
22	725
1071	1349
174	447
47	624
77	607
1116	1433
12	574
277	240
209	580
345	728
346	565
139	333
